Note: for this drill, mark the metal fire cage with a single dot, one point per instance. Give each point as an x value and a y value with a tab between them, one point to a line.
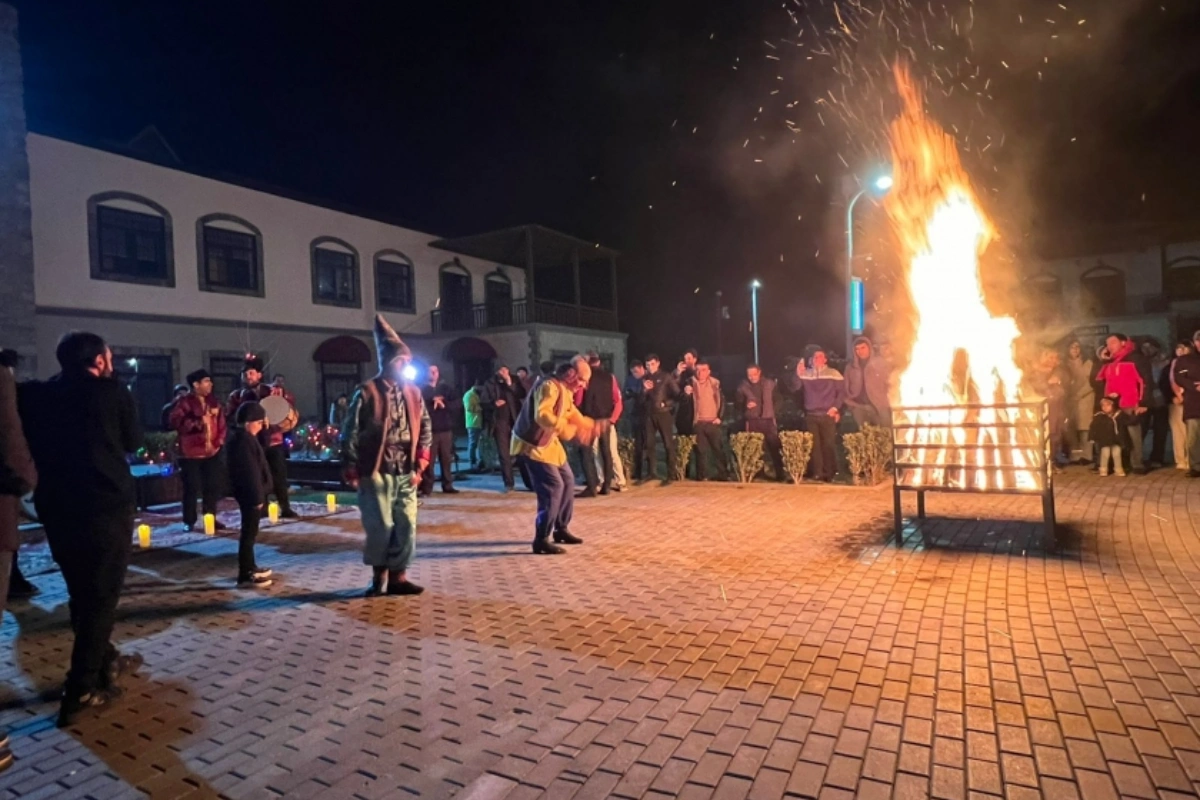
1008	452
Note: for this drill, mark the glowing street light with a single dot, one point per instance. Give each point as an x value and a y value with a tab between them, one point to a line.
755	285
878	186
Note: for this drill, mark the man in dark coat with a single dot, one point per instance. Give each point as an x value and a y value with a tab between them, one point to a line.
501	404
601	400
80	425
867	384
633	395
1186	375
441	403
685	412
661	391
756	403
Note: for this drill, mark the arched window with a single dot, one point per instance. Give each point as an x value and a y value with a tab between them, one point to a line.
1182	278
395	289
498	298
129	239
455	297
1046	293
229	253
1103	290
335	273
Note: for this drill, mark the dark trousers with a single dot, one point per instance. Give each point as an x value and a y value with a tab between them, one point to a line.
771	443
277	461
555	490
1159	428
503	435
710	440
588	456
201	476
824	453
92	551
662	424
638	423
443	453
251	515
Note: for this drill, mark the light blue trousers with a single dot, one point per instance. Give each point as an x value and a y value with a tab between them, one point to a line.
388	504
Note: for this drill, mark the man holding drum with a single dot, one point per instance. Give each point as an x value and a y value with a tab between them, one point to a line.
254	390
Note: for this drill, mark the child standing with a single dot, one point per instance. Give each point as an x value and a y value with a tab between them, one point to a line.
1108	432
249	479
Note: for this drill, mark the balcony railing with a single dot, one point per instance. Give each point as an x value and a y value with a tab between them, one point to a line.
498	315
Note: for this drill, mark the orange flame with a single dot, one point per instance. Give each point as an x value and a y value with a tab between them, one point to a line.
961	354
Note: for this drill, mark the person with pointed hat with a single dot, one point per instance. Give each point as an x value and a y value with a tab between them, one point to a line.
254	390
386	442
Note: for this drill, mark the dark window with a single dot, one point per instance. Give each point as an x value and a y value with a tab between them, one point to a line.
1103	292
151	379
335	277
394	286
455	292
133	246
1183	280
226	372
230	260
497	296
337	379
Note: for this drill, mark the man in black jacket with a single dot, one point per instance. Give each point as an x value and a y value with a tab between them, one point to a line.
756	402
501	405
249	480
599	402
661	391
685	410
80	425
633	393
441	403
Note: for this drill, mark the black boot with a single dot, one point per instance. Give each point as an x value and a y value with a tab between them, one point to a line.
376	587
398	584
541	547
76	706
566	537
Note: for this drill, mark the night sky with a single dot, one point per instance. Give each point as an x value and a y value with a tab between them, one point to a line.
688	135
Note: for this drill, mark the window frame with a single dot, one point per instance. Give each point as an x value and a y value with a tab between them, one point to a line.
356	269
95	256
251	230
397	259
1172	285
1102	270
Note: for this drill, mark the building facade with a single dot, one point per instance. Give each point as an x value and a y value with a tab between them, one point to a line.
1150	287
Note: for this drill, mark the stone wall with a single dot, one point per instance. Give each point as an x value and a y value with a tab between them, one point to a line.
16	235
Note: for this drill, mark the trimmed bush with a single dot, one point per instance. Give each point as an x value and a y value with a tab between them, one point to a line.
869	454
683	453
747	454
797	450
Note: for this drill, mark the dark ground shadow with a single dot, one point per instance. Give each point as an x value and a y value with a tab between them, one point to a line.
997	536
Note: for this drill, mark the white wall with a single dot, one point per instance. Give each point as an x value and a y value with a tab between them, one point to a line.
64	175
551	339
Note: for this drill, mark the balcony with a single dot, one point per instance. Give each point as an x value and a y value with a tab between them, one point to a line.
499	315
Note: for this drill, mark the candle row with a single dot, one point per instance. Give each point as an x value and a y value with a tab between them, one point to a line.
210	521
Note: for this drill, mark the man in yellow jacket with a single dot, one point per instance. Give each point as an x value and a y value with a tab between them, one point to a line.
548	417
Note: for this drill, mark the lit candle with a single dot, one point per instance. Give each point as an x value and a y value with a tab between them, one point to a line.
273	513
210	524
331	502
143	532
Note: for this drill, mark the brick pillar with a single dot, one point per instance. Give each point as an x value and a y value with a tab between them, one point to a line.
16	226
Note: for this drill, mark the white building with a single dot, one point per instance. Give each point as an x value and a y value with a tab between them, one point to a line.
179	271
1140	282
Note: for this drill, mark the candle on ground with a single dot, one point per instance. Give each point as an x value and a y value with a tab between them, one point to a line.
273	513
210	524
143	532
331	502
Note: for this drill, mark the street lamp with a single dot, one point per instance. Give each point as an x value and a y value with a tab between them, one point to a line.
878	186
754	287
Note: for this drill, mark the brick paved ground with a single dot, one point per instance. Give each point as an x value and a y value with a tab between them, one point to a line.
709	641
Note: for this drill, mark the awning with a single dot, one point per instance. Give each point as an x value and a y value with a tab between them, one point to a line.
468	348
343	350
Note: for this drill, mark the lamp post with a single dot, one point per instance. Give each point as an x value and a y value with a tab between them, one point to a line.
879	186
755	285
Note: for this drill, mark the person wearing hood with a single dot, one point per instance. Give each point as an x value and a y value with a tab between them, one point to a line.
867	383
822	391
549	418
1081	401
81	425
1126	373
386	446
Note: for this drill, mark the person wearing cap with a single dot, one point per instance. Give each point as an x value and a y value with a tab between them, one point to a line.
253	389
1185	375
249	480
549	418
386	446
199	422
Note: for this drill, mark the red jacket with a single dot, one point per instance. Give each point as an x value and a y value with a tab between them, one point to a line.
1121	377
200	423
